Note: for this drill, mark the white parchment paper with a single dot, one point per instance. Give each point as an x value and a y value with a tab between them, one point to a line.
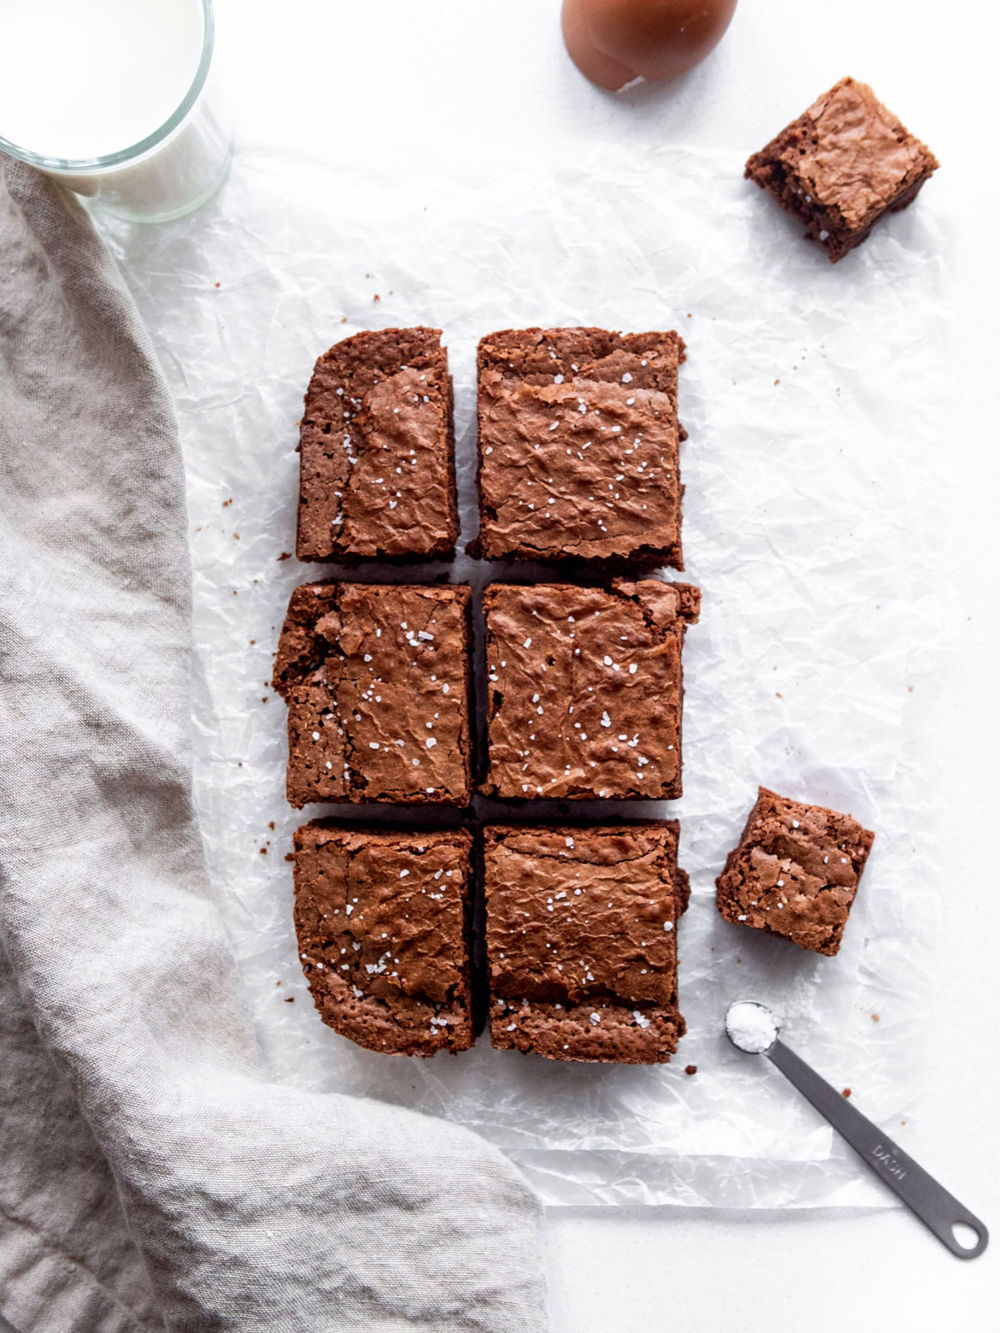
812	396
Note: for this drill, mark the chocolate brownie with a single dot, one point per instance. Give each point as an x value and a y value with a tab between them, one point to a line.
377	450
585	689
578	447
382	919
581	937
794	872
376	679
842	165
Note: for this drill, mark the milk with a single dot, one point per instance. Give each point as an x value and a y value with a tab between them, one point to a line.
85	81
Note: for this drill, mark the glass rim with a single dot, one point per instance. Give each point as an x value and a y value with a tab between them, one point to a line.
125	156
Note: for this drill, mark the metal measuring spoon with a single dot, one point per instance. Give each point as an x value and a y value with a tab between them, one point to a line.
752	1028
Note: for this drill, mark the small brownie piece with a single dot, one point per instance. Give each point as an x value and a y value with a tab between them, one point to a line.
794	872
382	919
376	678
578	447
843	164
585	689
377	450
581	937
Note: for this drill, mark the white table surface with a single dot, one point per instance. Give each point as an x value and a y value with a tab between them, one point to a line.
441	82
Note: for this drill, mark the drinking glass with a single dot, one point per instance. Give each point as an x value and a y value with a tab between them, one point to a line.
121	102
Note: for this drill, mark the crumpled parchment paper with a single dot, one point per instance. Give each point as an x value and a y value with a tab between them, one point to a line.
813	399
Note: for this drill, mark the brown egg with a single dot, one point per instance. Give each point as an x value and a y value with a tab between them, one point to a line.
614	41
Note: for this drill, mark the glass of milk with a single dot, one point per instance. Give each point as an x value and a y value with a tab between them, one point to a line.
116	99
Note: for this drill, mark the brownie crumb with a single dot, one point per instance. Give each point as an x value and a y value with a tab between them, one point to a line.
285	555
846	1092
690	1069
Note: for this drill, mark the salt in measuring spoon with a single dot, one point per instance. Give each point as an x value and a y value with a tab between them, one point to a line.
753	1029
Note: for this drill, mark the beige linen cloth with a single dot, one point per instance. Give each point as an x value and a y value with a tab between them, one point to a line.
151	1176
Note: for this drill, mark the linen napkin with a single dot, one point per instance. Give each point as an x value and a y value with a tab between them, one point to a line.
152	1176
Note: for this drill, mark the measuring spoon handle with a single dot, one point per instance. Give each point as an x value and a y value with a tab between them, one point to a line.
921	1193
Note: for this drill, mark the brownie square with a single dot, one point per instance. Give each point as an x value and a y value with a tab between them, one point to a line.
842	165
377	450
382	919
581	939
578	447
376	679
794	872
585	689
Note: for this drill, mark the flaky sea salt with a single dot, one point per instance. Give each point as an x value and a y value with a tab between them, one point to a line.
751	1027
